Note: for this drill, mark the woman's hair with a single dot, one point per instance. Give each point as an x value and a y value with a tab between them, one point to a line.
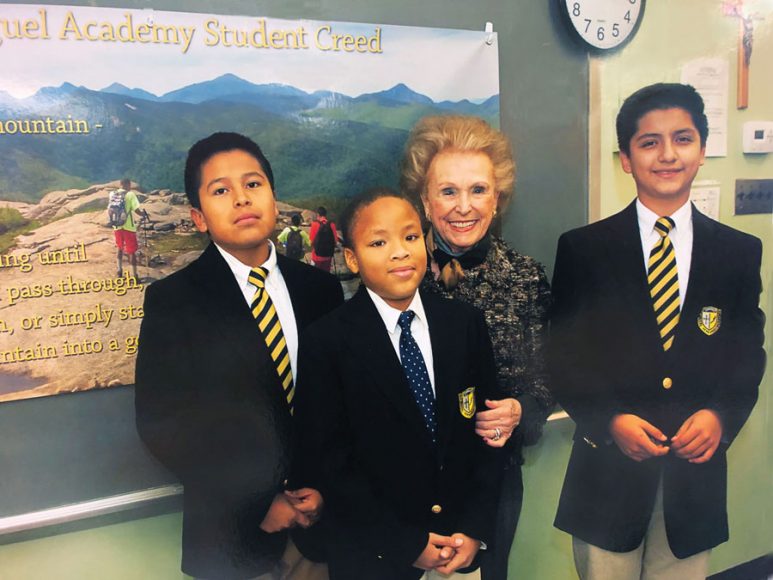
431	135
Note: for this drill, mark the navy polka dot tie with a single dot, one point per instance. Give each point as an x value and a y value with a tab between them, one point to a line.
416	372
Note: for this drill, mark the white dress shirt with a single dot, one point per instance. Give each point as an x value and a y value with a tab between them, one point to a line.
419	329
277	290
681	238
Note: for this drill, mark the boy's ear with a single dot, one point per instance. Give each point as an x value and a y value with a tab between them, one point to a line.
199	220
351	260
625	161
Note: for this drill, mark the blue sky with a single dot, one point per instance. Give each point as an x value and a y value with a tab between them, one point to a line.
440	63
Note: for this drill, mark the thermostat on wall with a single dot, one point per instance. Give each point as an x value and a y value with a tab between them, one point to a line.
758	137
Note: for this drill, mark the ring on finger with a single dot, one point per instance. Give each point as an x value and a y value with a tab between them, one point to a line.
497	434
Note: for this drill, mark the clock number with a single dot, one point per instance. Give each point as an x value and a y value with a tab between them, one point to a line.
627	17
615	30
576	9
632	1
587	24
600	33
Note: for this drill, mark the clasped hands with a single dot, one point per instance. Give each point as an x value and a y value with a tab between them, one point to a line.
695	441
300	507
497	424
447	554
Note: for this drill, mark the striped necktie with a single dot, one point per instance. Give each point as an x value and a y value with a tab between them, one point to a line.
268	322
664	282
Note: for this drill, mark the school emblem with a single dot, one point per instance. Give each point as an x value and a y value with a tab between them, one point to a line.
710	320
467	402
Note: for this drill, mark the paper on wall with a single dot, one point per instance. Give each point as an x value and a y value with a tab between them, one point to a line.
709	76
705	196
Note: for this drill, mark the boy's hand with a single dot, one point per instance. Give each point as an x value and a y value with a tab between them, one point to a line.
698	437
438	551
504	416
308	501
282	515
465	554
637	438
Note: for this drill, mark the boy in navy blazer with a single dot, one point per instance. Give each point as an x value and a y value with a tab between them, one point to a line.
210	400
409	488
656	353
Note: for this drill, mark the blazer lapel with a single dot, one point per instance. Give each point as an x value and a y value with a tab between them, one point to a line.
445	357
225	311
300	293
629	274
368	342
701	266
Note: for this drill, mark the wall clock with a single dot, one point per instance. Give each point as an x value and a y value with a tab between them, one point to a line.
602	24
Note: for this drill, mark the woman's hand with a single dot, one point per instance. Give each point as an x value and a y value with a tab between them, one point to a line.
282	515
497	424
307	501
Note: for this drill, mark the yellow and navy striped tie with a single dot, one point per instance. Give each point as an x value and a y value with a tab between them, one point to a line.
664	282
268	322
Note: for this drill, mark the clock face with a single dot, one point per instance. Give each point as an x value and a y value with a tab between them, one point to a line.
603	24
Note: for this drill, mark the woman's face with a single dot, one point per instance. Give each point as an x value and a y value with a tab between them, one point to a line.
461	197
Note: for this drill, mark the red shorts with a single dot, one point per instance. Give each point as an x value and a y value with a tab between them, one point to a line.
126	241
322	263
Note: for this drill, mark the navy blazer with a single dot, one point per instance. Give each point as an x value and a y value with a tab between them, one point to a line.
606	358
210	407
367	447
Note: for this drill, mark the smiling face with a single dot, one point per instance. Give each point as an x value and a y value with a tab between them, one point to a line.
237	206
665	155
460	197
387	250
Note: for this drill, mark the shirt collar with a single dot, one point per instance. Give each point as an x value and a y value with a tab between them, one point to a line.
647	218
391	315
241	271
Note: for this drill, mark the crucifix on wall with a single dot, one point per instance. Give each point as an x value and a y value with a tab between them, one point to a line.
745	42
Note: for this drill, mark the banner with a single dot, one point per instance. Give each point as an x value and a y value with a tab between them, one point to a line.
91	96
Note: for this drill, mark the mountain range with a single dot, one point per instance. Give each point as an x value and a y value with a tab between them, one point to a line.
321	144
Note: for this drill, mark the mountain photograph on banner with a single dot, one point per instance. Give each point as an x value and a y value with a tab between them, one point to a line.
93	96
338	144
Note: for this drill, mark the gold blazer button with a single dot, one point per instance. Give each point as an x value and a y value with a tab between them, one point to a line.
436	509
667	382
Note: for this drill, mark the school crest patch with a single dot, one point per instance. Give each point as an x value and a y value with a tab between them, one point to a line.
710	320
467	402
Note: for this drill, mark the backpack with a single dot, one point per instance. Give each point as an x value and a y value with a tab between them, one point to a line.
116	208
324	241
294	245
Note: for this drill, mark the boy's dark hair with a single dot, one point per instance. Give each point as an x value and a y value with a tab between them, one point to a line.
126	183
322	211
295	219
659	96
203	150
348	217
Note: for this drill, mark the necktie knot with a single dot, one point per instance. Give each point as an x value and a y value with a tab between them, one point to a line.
664	225
405	320
257	277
